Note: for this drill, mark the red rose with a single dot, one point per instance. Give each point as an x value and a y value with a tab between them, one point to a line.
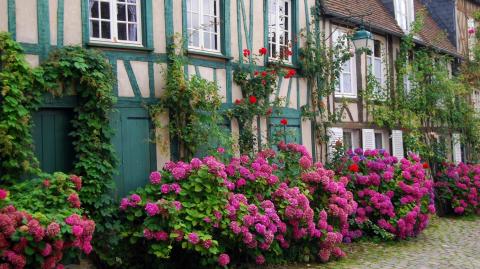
262	51
264	74
284	122
246	52
269	111
289	53
353	168
290	73
256	73
252	99
237	101
425	165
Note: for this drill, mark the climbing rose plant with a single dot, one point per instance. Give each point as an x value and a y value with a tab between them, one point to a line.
395	198
458	186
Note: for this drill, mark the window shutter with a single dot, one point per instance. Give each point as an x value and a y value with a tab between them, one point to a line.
457	149
334	134
397	144
368	137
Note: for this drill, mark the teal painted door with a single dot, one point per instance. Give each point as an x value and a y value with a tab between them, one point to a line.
134	148
292	132
53	145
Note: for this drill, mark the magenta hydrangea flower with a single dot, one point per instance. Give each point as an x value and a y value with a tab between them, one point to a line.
260	259
155	178
152	209
223	259
193	238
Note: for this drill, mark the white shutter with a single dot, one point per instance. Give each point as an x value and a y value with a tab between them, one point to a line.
397	144
457	149
334	134
368	137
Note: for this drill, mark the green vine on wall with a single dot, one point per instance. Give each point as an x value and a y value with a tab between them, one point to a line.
194	107
19	97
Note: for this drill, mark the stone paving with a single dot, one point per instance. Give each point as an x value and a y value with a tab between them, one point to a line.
447	243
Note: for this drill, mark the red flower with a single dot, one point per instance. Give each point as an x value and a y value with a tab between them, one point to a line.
252	99
425	165
237	101
262	51
289	53
256	73
284	122
246	52
264	82
46	183
269	111
264	74
290	73
353	168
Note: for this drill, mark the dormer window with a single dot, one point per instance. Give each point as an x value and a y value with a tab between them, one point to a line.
404	14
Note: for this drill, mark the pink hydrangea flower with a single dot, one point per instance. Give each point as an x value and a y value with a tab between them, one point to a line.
155	178
223	259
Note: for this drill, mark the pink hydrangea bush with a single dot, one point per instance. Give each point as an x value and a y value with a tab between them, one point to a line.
458	187
40	226
395	198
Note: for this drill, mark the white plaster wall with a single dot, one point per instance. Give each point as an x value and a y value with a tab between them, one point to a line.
159	38
124	86
3	16
258	27
222	83
72	23
26	20
52	12
177	16
233	30
140	69
33	60
159	76
306	126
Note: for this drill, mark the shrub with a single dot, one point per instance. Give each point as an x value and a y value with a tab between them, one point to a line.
268	208
41	224
457	186
395	199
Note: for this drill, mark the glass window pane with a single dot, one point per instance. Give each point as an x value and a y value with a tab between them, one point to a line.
195	39
346	67
378	141
347	83
287	12
207	40
105	10
122	31
94	9
132	13
132	32
106	29
132	1
195	21
195	7
121	12
347	140
206	7
378	69
377	49
95	29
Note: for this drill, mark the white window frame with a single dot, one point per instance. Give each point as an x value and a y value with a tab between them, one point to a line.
404	14
371	63
340	90
203	26
383	146
276	29
114	23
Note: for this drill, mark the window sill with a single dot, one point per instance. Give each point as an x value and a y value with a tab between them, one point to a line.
340	97
208	54
118	46
284	65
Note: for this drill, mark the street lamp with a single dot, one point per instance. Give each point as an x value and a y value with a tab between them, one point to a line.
362	39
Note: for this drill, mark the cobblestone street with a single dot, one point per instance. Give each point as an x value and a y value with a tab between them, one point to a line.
447	243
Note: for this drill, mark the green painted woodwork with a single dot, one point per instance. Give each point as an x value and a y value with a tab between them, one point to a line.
151	79
239	32
132	79
289	90
60	13
293	128
12	18
135	152
197	71
53	145
43	28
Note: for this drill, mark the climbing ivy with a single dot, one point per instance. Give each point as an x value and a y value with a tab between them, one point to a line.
19	97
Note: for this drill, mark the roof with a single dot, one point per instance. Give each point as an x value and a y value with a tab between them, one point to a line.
431	34
378	16
380	19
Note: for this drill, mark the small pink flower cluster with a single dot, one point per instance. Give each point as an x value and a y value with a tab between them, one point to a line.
82	229
380	182
131	201
158	235
77	181
459	186
74	200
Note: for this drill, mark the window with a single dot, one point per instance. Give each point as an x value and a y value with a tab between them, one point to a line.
471	37
404	13
347	140
203	24
476	100
279	29
116	21
376	65
347	84
379	141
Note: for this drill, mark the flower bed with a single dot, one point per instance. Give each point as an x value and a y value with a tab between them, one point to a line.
395	198
41	223
268	209
458	186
